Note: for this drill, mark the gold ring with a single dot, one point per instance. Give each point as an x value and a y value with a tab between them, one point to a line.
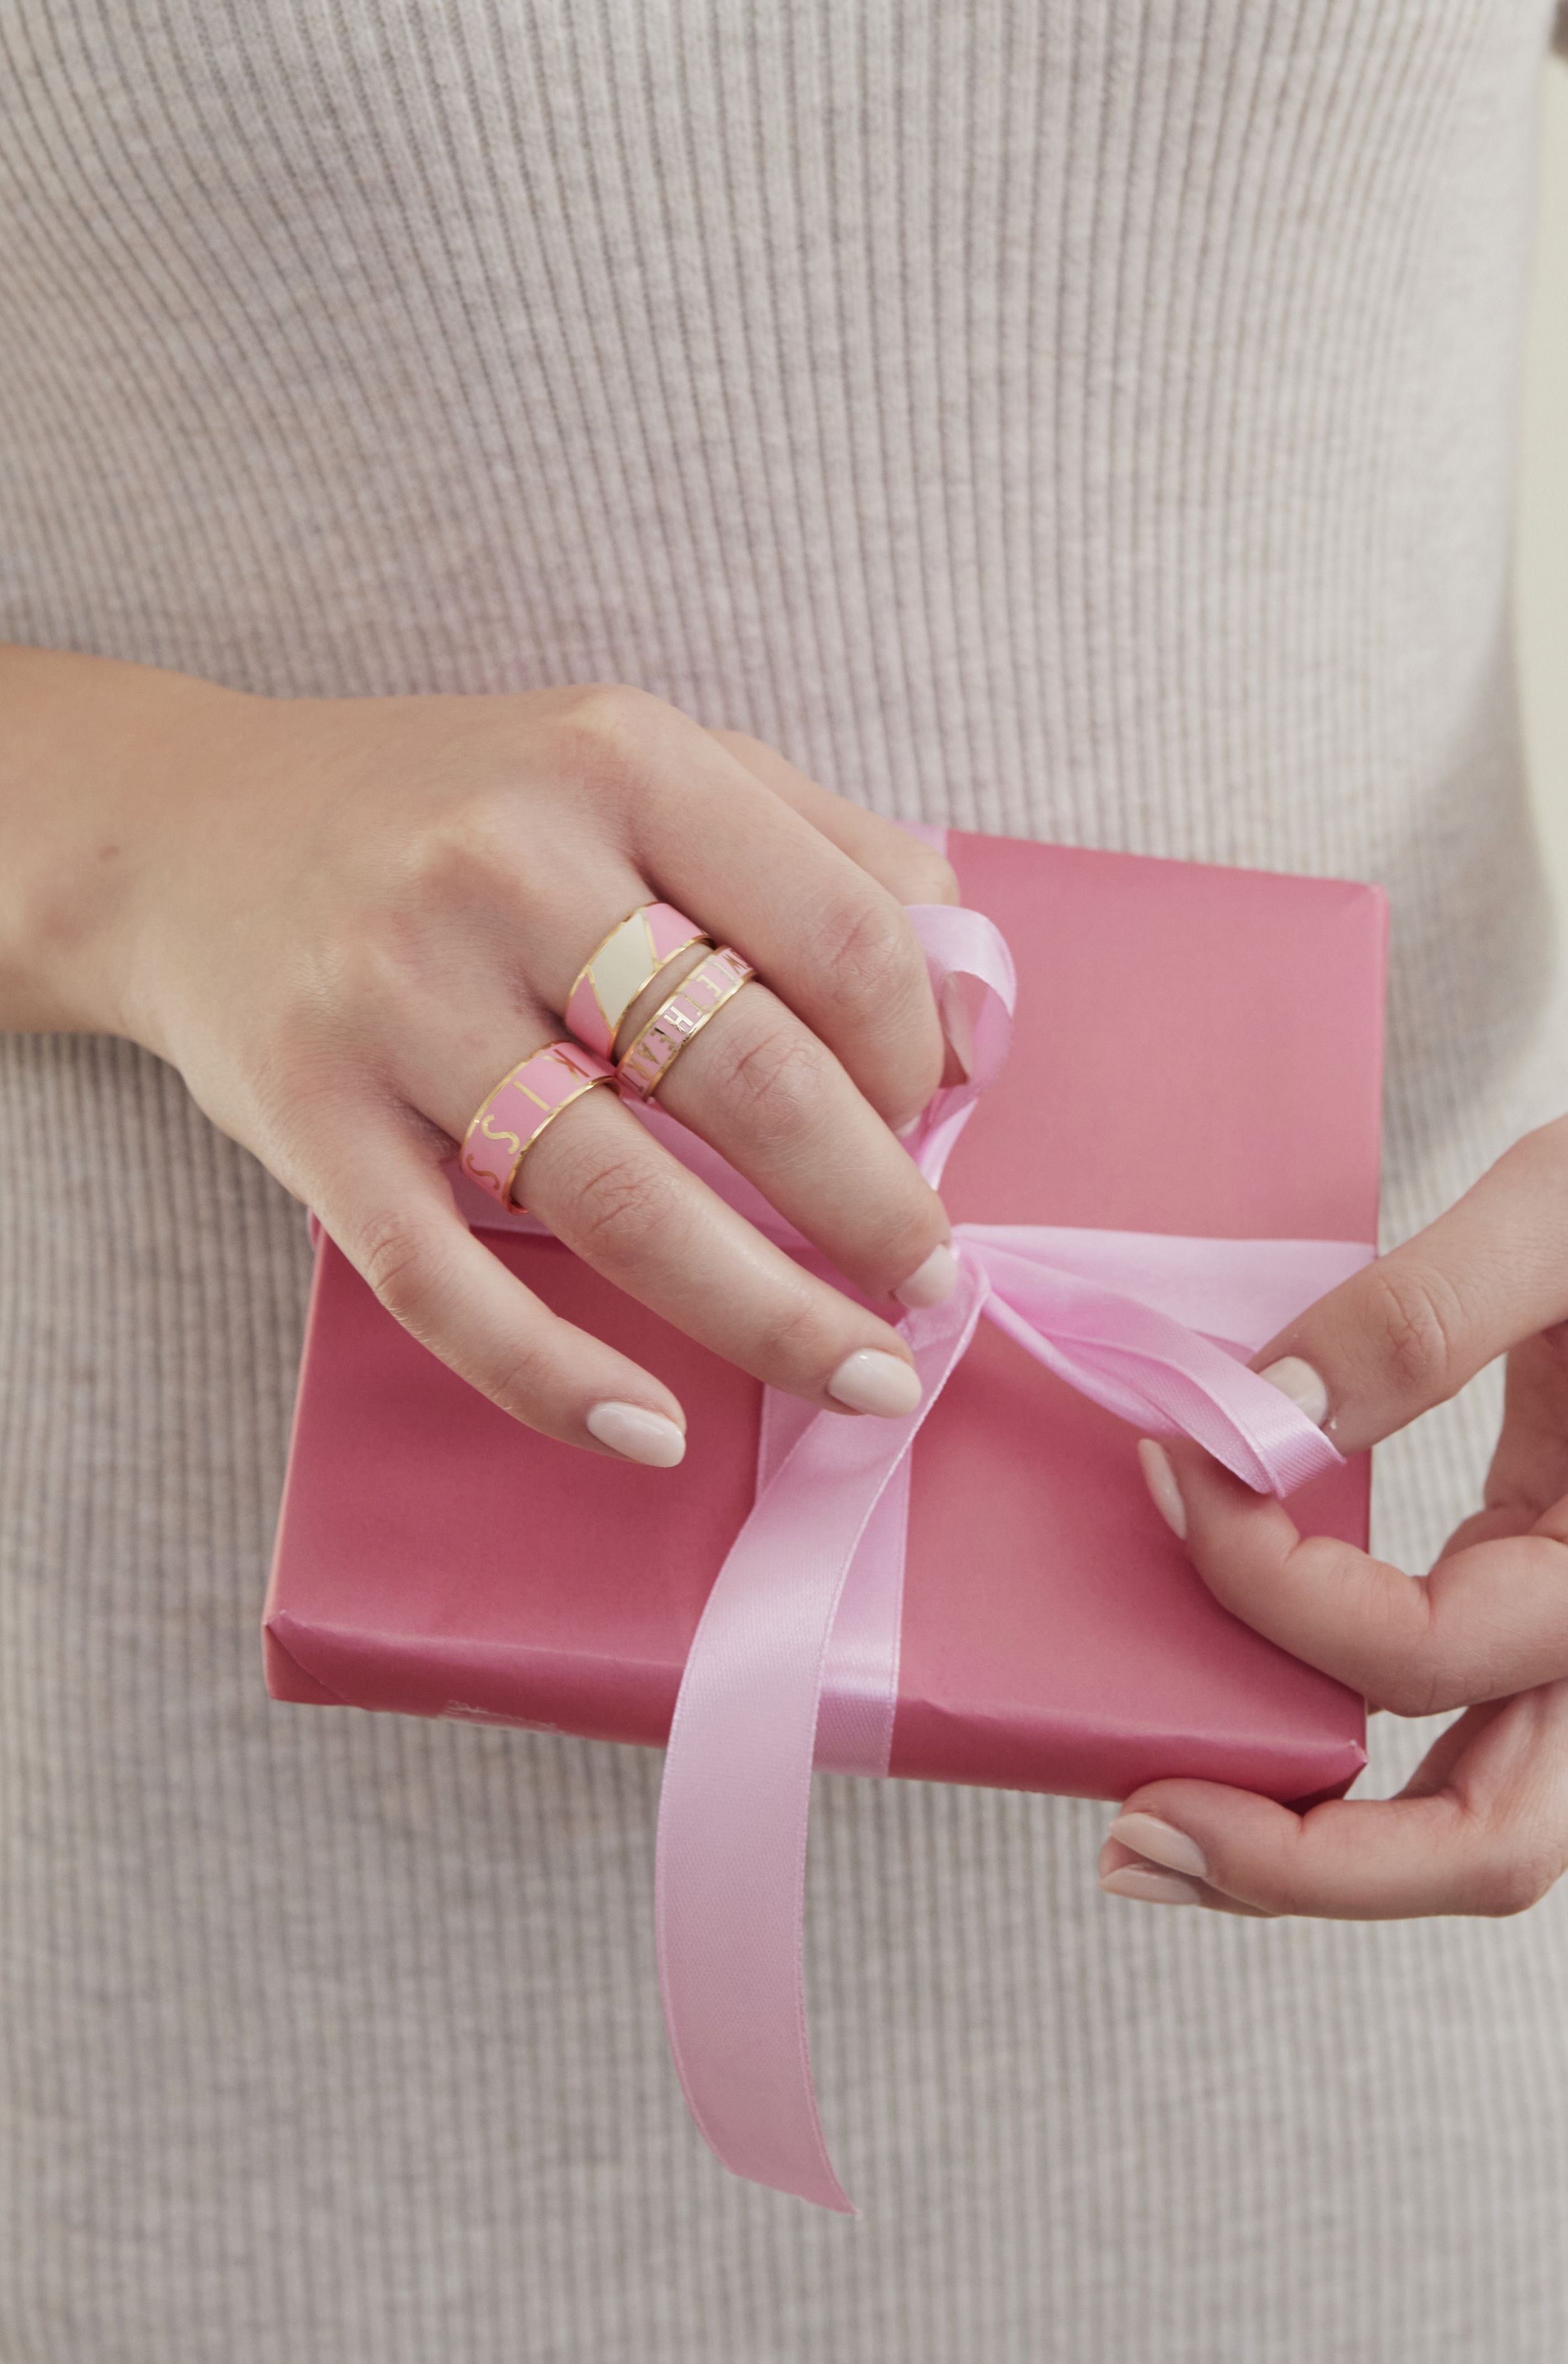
698	997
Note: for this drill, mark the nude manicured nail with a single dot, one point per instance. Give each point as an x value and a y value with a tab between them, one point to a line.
1150	1887
1301	1383
871	1381
1162	1843
1161	1481
932	1283
639	1435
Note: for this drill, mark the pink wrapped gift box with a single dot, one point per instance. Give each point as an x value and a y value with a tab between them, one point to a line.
1182	1154
1196	1050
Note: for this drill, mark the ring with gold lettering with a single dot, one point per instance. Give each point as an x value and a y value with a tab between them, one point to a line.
511	1118
698	997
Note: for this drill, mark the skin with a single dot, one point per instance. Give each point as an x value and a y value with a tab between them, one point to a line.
1482	1825
343	921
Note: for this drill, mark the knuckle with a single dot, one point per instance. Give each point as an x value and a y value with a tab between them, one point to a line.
1414	1676
616	1202
605	731
770	1078
393	1252
518	1381
372	975
869	955
792	1342
1418	1320
1515	1876
1415	1686
458	856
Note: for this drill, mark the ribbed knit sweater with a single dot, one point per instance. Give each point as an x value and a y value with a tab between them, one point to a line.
1083	421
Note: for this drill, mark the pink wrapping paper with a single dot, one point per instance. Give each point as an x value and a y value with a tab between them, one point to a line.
1196	1050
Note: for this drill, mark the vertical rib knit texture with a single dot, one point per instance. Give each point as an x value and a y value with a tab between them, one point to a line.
1088	422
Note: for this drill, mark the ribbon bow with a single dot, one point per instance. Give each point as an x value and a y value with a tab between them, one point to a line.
795	1658
795	1661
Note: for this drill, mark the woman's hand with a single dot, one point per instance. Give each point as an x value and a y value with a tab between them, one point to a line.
1482	1825
345	920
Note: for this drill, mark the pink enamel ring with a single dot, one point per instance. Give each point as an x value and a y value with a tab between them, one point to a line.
629	958
511	1120
699	997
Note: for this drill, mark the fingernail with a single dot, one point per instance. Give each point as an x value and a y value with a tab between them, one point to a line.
932	1283
1161	1481
1150	1887
645	1436
1301	1383
871	1381
1161	1842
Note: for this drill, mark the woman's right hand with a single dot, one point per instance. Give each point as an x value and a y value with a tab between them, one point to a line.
345	919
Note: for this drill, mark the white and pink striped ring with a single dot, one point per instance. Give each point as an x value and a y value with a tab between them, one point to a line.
618	969
698	997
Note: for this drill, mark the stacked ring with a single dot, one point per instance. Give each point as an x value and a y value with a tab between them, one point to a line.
511	1118
629	958
651	1058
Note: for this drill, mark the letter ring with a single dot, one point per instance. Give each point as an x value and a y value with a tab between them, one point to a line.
511	1118
699	997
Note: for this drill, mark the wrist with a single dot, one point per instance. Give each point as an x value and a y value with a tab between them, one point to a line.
95	761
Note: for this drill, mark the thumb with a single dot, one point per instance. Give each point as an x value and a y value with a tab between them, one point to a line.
1411	1328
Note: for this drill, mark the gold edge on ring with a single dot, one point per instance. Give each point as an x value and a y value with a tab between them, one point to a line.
587	1085
480	1120
651	977
655	973
655	969
687	1033
582	977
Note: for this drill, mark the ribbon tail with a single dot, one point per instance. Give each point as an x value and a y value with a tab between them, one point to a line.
730	1875
860	1675
1156	1371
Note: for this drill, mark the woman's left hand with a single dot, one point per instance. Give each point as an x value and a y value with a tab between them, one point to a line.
1482	1824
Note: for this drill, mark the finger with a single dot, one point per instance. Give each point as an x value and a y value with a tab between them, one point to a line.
762	1090
901	862
1410	1330
1442	1766
614	1196
638	1216
829	939
1491	1619
1492	1839
1529	1466
390	1211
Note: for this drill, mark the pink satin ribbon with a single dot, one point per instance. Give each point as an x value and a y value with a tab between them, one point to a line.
795	1661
